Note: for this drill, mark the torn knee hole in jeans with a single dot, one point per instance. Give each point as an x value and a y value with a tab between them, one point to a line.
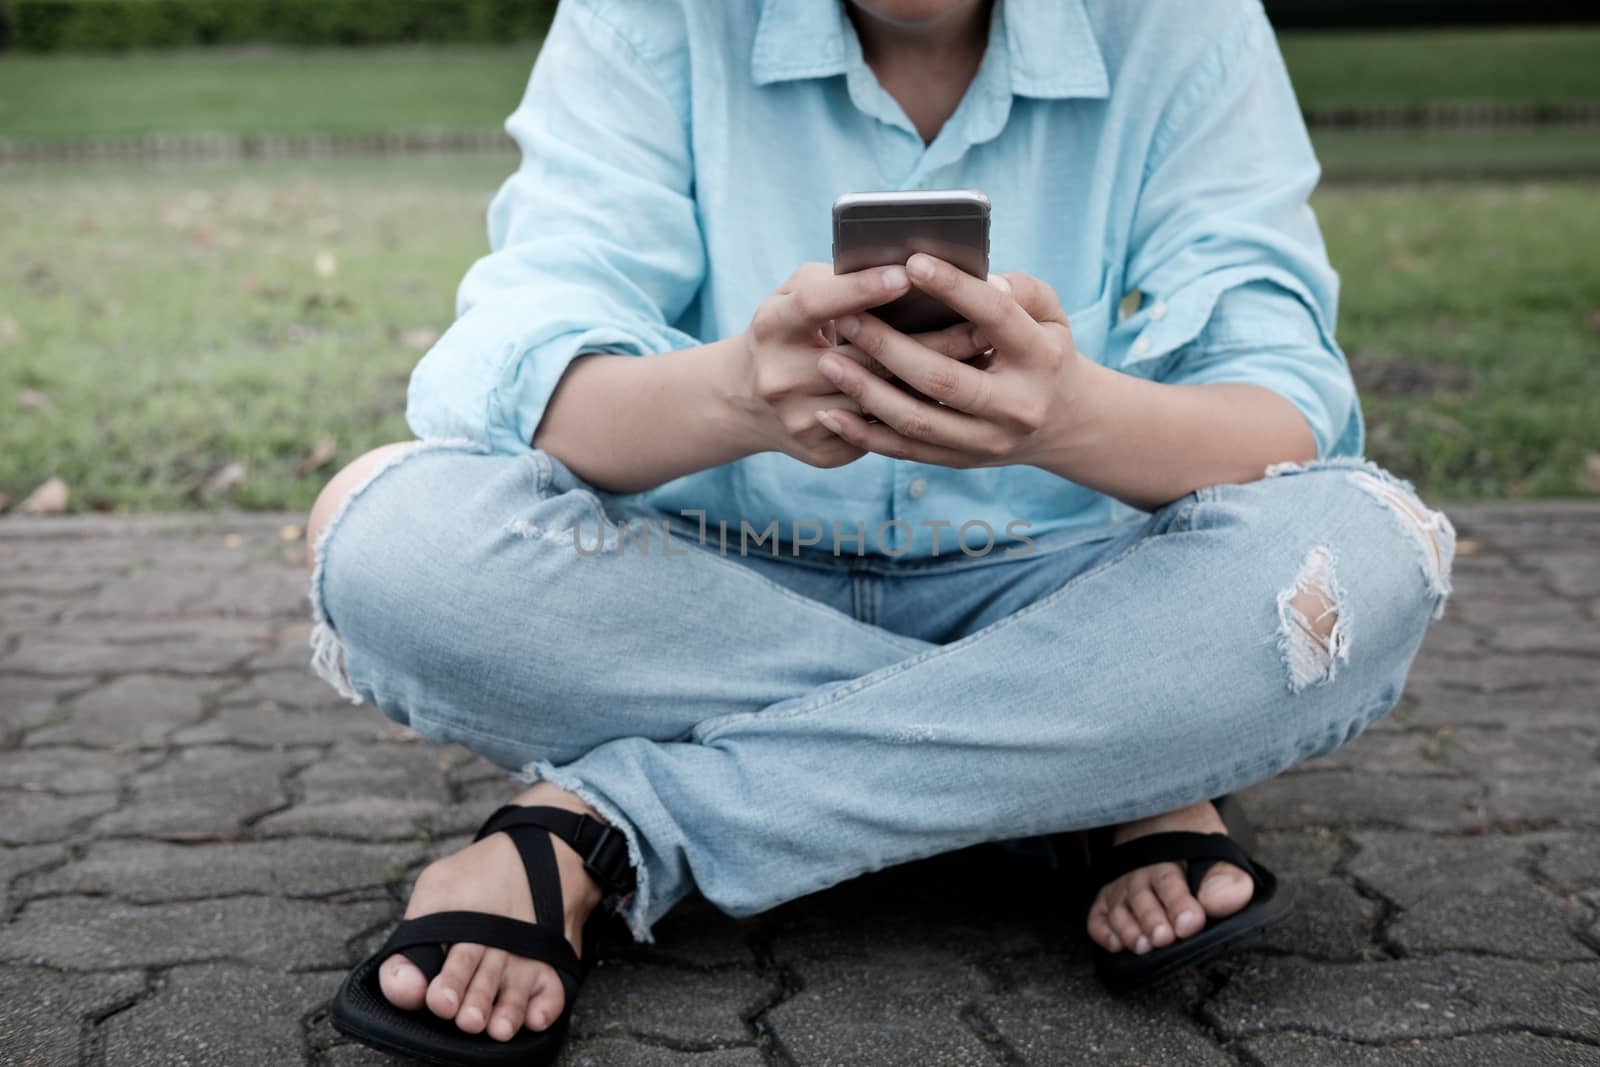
1314	634
1430	531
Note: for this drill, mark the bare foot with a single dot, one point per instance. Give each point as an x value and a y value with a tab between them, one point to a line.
488	988
1152	906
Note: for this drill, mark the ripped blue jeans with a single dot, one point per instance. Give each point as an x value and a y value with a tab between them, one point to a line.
761	728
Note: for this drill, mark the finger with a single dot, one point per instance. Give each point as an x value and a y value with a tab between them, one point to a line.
867	363
960	341
999	317
815	298
1033	295
885	441
911	416
945	380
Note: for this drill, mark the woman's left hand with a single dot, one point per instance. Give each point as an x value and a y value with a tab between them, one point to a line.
1009	410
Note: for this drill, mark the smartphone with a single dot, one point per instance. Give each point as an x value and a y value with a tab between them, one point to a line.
877	229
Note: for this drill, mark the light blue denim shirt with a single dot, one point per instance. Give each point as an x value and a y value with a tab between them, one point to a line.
680	158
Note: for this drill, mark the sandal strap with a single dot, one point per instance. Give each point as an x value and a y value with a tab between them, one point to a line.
534	941
603	847
1197	851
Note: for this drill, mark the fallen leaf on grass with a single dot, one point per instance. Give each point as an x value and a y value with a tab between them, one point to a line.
321	455
50	498
1591	469
326	264
223	480
9	330
33	400
420	339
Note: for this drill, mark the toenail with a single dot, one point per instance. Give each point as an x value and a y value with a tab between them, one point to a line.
449	995
1142	946
539	1021
471	1016
1161	930
1114	943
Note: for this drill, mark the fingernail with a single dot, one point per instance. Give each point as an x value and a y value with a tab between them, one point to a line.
1000	283
978	338
831	369
848	325
894	278
827	420
920	266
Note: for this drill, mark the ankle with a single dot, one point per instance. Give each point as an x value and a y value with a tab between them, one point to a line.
581	894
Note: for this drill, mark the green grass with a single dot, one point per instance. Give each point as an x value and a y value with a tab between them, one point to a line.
1543	66
261	90
279	90
1472	316
176	322
1488	152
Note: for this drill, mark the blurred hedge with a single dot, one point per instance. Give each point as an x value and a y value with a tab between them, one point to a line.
51	25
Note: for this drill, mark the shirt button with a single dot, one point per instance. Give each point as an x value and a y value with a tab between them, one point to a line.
1141	346
917	487
1158	310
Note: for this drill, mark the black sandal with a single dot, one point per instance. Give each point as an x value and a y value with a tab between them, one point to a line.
1272	902
361	1011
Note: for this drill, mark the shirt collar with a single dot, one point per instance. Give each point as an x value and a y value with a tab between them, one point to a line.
1052	48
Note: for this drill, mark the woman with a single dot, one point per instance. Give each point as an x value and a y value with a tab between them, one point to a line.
1187	583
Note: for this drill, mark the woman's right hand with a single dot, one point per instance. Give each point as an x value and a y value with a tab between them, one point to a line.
778	383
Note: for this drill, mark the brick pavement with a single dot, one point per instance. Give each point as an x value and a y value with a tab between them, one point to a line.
196	839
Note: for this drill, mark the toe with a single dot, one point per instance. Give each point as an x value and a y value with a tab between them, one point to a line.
511	1006
402	983
1153	923
547	1000
1126	927
1182	908
1224	890
449	986
1099	926
481	991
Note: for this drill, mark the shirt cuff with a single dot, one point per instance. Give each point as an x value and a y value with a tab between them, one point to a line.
490	377
1254	325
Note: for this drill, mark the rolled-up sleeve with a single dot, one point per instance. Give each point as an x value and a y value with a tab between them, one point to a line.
1235	281
595	243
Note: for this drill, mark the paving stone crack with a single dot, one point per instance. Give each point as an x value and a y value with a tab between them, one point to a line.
972	1016
91	1041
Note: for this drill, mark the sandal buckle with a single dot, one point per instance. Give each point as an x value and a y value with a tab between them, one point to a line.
602	864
